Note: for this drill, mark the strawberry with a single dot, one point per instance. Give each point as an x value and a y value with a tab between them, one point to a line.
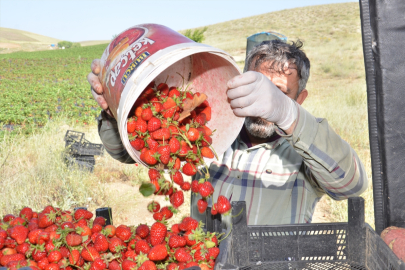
147	114
148	157
201	254
193	134
214	210
186	186
54	256
206	141
99	264
152	144
194	186
43	237
142	246
138	144
154	124
65	252
189	169
153	206
128	265
32	226
38	253
8	217
44	220
19	233
213	252
115	244
73	239
157	253
177	199
172	266
82	214
208	131
158	216
157	106
176	241
138	112
169	104
114	265
183	150
109	230
43	263
157	186
161	134
89	253
166	212
204	266
142	230
174	92
191	264
223	205
10	258
74	257
202	205
174	163
164	152
201	119
123	232
205	189
207	112
101	243
177	177
174	145
207	152
182	255
163	88
153	174
157	233
131	123
26	213
148	265
22	248
188	240
99	220
141	125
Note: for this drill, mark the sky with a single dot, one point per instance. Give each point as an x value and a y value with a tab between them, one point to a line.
82	20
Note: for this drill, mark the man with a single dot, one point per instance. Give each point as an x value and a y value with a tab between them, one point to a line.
284	159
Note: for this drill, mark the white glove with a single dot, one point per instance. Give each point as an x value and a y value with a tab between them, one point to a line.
253	95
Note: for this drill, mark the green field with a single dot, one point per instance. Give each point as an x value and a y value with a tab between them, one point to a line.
38	86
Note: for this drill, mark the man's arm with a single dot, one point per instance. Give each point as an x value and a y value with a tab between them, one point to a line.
110	137
330	162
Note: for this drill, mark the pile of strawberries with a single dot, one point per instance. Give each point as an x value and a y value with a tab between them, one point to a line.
169	128
55	239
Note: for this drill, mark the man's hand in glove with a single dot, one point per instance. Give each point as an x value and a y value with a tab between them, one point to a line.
252	94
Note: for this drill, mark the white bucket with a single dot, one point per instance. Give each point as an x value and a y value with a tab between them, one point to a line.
208	69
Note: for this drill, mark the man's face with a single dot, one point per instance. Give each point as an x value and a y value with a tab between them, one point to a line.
287	82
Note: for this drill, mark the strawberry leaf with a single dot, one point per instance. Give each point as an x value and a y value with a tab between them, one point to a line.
147	189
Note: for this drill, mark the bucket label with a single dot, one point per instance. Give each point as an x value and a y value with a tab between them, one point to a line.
133	66
130	55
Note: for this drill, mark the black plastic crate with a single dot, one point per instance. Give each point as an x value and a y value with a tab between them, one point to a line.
85	148
84	163
72	135
343	245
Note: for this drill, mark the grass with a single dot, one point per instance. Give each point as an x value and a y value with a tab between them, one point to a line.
337	92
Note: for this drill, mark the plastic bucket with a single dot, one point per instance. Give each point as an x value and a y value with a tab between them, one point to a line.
151	52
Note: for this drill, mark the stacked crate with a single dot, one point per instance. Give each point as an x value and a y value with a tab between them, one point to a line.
80	152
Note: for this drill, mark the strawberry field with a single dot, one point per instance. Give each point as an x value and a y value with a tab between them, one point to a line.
36	86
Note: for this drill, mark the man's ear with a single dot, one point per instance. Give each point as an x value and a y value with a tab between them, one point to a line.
302	96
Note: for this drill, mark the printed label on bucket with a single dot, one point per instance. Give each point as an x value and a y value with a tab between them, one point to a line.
127	52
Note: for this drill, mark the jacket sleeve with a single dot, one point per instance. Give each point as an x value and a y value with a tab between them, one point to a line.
110	137
331	165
